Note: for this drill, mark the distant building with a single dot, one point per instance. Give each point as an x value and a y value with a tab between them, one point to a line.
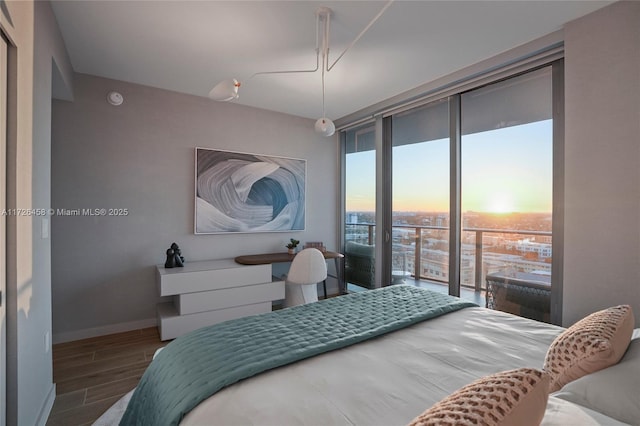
543	250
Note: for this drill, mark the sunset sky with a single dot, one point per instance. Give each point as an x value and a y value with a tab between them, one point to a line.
504	170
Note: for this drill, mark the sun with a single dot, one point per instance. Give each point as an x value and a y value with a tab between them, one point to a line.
500	203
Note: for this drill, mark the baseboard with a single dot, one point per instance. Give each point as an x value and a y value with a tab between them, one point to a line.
47	406
70	336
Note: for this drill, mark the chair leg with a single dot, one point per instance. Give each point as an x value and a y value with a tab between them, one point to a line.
324	286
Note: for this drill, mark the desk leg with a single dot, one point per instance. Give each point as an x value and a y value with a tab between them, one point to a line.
341	286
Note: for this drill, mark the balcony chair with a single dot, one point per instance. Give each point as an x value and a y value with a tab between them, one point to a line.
359	264
308	268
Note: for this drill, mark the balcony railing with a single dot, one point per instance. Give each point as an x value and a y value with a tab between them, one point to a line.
410	253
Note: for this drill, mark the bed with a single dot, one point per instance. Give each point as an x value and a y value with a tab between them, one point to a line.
385	379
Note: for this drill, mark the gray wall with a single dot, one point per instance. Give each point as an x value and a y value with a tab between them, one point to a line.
602	158
140	156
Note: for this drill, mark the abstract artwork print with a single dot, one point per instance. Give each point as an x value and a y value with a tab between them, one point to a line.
240	192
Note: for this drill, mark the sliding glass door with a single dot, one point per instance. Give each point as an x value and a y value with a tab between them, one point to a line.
420	195
360	208
465	188
507	181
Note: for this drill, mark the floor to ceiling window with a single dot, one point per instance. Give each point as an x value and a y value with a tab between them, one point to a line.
420	193
497	167
360	207
507	188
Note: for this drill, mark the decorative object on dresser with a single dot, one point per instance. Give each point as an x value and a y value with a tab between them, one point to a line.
174	257
208	292
240	192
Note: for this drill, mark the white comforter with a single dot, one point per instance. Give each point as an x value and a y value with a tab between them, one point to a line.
385	381
388	380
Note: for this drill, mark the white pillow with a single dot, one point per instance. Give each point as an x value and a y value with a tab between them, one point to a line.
614	391
564	413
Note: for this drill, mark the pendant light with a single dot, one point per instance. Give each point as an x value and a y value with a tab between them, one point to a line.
227	90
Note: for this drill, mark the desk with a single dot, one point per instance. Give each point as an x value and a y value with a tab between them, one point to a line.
523	294
268	258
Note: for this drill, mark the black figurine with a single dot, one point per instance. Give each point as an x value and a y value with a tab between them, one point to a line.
174	257
178	252
177	258
171	259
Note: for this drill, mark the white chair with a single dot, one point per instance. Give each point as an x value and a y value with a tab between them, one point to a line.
308	268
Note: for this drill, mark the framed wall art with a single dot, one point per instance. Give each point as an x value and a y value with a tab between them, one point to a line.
241	192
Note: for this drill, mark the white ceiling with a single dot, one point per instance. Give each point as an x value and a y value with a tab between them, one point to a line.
189	46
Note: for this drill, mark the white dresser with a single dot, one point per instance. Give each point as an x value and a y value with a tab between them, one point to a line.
208	292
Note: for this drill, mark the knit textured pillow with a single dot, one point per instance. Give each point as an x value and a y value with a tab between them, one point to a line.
510	398
593	343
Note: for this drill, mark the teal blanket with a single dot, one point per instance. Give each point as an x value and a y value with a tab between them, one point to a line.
197	365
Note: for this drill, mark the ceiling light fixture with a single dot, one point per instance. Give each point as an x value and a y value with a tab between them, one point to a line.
227	90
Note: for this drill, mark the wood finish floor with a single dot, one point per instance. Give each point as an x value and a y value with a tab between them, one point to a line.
92	374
